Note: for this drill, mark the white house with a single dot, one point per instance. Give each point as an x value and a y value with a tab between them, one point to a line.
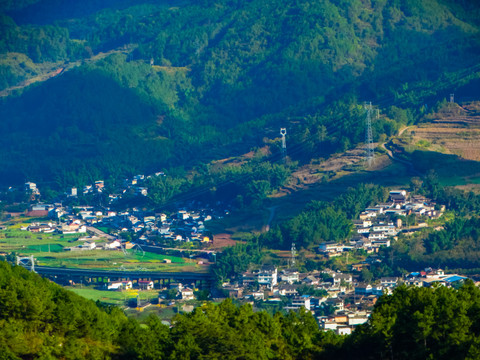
330	247
298	302
289	276
187	294
268	276
115	244
119	285
145	284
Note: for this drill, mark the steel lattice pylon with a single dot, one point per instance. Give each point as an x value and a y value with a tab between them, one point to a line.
368	135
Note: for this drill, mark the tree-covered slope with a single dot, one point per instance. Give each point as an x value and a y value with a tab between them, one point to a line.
39	319
225	75
419	323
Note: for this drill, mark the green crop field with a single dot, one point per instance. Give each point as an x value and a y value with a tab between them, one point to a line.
49	250
113	297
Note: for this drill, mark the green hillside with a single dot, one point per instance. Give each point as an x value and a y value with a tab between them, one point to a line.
225	76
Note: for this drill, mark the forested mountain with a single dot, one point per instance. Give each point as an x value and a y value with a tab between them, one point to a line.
193	81
40	320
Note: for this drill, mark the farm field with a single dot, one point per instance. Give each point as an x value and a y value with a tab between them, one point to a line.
447	142
119	298
48	250
453	130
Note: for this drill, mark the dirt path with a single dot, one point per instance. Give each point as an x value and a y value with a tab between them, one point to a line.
403	161
62	69
401	131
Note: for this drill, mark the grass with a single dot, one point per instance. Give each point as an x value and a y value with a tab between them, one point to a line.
112	297
105	229
451	169
48	250
108	297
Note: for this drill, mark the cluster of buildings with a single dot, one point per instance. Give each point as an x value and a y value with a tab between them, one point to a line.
69	227
137	185
146	228
175	291
378	225
152	228
338	300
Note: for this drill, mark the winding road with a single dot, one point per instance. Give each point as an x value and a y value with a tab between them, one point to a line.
403	161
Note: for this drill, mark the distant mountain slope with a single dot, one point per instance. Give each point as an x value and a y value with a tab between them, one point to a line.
224	76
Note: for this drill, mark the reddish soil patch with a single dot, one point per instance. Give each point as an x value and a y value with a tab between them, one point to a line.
223	240
283	254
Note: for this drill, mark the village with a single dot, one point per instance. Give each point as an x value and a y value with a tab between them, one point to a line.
137	226
379	225
339	300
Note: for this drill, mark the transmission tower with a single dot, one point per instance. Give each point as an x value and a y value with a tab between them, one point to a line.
294	255
283	132
368	135
30	262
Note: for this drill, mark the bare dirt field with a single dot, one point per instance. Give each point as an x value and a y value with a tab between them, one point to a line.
453	130
223	240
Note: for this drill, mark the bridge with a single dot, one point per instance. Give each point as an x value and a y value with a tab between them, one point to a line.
92	275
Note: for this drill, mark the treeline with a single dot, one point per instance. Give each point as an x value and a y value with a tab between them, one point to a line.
245	184
27	51
457	246
234	260
322	221
454	231
39	319
419	323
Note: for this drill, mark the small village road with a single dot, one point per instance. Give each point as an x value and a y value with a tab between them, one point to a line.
100	233
403	161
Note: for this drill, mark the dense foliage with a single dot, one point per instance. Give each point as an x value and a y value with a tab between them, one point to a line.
457	246
194	81
246	183
235	260
39	319
420	323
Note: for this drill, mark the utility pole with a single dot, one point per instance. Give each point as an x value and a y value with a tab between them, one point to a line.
368	135
283	132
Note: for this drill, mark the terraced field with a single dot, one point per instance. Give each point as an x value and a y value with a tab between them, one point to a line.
453	130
